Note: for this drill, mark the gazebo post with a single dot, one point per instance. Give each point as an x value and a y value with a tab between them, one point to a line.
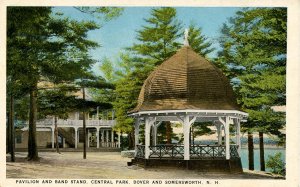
136	134
238	136
148	123
227	143
154	134
219	132
186	135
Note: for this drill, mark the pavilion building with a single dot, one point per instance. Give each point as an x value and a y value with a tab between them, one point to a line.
100	133
187	88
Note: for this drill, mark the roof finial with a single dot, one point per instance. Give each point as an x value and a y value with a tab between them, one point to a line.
186	35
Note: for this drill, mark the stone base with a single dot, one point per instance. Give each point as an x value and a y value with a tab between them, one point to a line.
233	165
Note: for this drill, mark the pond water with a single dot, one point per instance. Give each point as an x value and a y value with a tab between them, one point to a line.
270	151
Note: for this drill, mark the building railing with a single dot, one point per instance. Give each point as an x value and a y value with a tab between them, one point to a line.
109	144
196	151
79	123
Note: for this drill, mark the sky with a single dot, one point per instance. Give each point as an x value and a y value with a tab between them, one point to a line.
120	32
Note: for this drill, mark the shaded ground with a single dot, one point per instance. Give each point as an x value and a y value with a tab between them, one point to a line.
104	165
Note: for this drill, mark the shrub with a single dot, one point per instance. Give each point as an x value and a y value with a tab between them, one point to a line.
276	164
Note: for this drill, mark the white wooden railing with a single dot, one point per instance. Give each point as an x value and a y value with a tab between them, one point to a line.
79	123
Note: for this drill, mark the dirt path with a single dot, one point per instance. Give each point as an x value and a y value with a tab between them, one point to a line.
103	165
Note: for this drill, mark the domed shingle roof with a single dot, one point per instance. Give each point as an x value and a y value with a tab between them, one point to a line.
186	81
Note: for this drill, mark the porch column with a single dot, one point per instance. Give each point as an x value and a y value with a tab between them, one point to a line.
106	132
238	135
52	137
227	143
119	139
97	134
147	138
148	122
102	138
76	137
136	134
154	132
112	138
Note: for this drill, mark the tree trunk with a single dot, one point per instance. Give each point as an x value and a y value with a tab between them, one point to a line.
8	129
84	127
261	151
250	151
131	140
168	132
12	128
32	145
56	134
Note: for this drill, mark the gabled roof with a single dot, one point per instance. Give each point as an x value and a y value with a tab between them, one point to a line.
186	81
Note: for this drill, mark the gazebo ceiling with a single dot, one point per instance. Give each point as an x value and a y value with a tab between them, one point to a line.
186	81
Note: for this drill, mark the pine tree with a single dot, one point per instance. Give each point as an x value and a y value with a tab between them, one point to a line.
48	48
254	54
198	42
157	41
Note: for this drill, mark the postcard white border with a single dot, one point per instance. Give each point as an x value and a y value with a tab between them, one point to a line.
293	76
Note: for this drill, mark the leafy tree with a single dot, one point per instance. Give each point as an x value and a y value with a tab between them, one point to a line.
103	14
254	56
121	74
113	71
276	164
126	99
